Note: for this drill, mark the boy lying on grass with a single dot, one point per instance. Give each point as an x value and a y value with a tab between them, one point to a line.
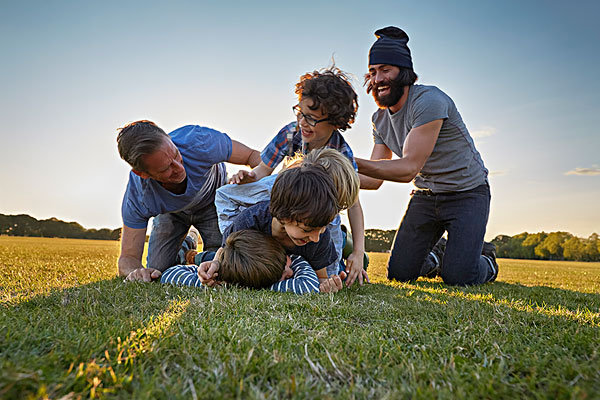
251	259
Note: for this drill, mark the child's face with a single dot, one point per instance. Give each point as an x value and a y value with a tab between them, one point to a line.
301	234
316	136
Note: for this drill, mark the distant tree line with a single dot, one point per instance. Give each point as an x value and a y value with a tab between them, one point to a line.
378	240
25	225
548	246
533	246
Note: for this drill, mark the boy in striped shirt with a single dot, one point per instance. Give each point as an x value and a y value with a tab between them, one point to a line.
255	260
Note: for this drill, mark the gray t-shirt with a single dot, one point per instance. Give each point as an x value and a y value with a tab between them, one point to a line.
454	165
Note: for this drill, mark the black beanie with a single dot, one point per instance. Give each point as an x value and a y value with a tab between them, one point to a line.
390	48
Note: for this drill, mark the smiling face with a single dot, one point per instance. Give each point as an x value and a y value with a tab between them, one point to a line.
164	165
387	89
315	136
301	234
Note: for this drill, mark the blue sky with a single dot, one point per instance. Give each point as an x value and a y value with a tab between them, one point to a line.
522	73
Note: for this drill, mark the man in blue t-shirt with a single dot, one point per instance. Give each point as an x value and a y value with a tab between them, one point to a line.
422	126
173	178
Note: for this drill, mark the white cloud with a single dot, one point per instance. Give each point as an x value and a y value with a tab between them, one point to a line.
594	170
484	132
498	173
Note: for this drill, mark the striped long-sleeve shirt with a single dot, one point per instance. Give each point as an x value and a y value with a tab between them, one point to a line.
303	281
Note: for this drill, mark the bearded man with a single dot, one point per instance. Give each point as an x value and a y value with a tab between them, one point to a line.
422	126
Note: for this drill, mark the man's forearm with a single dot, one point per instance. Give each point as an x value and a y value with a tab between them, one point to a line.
254	159
401	170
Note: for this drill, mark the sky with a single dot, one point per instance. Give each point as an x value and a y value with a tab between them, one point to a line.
523	75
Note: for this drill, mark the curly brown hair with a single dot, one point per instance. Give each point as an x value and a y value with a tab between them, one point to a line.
331	92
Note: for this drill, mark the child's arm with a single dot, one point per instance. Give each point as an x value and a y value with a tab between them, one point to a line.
354	262
181	275
304	280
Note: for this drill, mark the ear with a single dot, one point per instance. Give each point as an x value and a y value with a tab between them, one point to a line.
141	174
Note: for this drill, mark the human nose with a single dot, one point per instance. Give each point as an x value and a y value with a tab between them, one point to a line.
377	77
302	120
314	236
178	166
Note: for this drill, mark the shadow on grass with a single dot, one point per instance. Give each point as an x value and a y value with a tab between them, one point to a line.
50	341
153	340
556	302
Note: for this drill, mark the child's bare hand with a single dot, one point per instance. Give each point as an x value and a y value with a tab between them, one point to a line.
207	272
354	268
332	284
242	177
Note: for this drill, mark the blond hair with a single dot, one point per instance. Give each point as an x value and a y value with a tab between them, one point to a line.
342	172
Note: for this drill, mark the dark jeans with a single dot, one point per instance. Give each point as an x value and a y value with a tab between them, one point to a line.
464	216
169	231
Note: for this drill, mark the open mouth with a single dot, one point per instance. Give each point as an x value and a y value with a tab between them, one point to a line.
306	132
301	242
382	90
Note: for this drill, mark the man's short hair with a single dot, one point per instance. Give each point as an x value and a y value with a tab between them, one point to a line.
342	172
138	139
331	91
305	194
251	259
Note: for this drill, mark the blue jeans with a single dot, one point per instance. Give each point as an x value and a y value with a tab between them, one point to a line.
464	216
169	231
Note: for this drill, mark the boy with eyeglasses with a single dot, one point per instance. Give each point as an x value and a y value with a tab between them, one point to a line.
327	105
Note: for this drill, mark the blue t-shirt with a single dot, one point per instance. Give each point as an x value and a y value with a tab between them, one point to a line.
258	217
203	151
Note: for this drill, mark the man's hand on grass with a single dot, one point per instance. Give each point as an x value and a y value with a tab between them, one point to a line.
143	275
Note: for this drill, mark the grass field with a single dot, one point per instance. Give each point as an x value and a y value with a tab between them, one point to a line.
70	329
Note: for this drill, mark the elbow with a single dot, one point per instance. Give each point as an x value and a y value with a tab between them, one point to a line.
371	185
411	174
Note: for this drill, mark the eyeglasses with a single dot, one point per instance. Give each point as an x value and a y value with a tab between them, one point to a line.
307	118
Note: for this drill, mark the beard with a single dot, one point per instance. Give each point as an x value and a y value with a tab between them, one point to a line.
396	92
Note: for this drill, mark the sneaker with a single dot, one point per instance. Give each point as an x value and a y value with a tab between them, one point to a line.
489	253
437	253
194	234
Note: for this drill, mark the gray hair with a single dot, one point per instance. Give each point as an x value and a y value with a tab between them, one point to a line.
138	139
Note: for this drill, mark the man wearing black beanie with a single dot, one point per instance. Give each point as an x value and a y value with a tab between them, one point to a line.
422	126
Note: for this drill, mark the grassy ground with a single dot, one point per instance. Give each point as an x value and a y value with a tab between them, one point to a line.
70	329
